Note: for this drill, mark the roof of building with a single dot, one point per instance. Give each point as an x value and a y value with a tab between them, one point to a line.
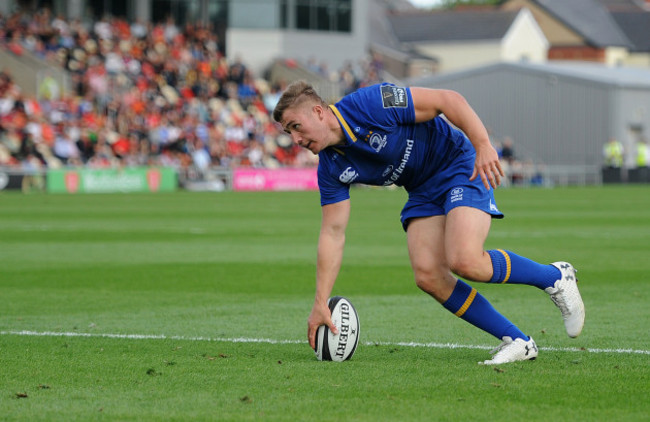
594	72
589	18
382	36
624	5
636	26
449	26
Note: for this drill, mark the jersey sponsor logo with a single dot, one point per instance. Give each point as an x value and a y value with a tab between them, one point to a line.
377	141
348	175
394	97
456	194
402	164
387	171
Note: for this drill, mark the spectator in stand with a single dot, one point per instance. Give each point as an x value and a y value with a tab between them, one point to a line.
510	166
507	150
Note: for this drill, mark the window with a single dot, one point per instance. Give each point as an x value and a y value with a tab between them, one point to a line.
323	15
180	11
310	15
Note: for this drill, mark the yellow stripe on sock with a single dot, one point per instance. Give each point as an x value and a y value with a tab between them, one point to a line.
344	124
467	303
508	265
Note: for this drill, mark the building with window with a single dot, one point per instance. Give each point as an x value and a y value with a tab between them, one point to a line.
334	31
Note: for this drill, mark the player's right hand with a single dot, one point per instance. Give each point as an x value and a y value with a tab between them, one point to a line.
488	167
320	315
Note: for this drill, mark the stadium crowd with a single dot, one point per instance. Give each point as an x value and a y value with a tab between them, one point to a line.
141	94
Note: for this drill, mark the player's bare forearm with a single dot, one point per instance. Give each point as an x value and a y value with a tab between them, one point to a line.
330	256
330	247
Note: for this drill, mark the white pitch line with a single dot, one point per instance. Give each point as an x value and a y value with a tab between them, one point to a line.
274	341
551	349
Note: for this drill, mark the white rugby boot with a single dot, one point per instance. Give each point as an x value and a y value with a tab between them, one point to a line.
566	296
512	351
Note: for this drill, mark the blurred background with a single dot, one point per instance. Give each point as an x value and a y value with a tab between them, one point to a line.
159	95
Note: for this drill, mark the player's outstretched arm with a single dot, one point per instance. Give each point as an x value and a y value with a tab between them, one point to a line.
330	254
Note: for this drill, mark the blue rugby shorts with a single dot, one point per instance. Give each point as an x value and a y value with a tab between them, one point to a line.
447	190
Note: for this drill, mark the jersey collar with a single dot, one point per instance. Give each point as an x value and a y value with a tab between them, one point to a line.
344	124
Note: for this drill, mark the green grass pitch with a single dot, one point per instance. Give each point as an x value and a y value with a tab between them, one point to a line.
193	306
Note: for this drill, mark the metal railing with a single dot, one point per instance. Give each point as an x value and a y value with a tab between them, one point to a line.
573	175
29	72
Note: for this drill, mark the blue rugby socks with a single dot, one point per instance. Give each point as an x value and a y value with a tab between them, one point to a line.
465	302
514	269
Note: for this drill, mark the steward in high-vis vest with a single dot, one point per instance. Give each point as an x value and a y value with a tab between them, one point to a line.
642	154
613	153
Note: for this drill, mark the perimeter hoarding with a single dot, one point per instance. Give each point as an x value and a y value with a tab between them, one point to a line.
138	179
251	179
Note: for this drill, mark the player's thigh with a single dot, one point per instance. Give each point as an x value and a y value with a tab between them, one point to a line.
465	231
426	245
428	257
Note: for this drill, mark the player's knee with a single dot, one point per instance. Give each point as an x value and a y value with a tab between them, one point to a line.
464	266
474	266
431	283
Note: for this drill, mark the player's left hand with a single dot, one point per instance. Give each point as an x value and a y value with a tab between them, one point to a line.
488	167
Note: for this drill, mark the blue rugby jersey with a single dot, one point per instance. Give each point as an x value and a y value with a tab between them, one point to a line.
384	145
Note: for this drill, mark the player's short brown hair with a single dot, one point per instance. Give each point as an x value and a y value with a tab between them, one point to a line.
296	93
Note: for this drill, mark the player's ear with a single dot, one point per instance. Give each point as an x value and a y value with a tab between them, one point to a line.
319	110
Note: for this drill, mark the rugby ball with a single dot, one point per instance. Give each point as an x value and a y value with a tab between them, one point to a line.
341	346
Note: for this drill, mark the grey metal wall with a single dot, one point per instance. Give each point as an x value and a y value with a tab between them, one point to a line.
553	120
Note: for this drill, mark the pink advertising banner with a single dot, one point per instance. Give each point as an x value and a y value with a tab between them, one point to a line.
249	179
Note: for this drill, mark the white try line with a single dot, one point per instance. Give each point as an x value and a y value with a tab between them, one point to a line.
273	341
